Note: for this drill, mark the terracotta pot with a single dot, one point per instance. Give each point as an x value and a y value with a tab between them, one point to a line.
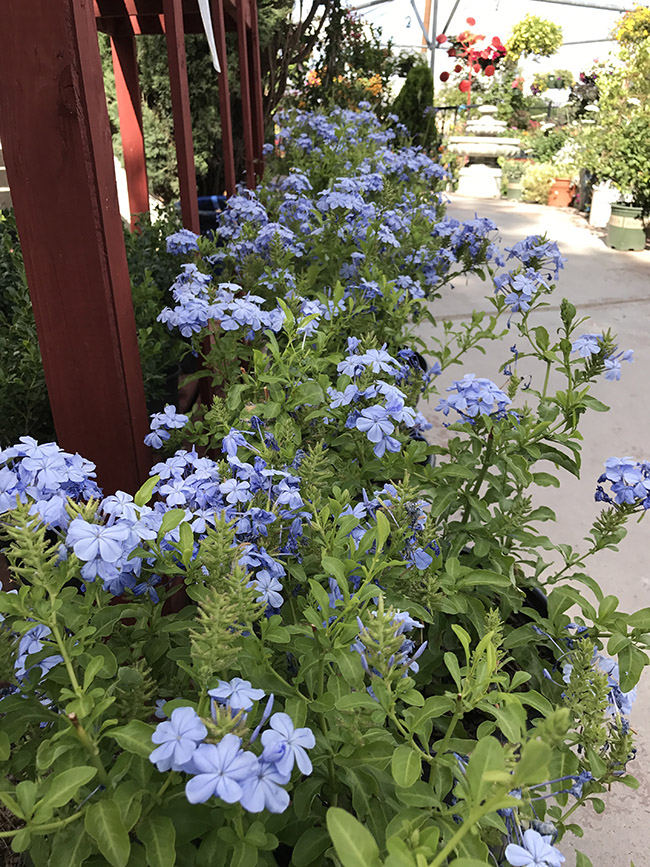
561	193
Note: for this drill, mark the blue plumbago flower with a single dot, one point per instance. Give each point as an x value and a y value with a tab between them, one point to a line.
343	398
375	422
535	250
178	738
161	423
262	789
475	397
47	475
156	439
182	242
285	746
97	541
379	360
536	851
521	289
220	769
32	643
237	694
613	364
168	418
587	344
629	480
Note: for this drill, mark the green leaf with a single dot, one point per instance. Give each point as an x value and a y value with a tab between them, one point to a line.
5	746
320	595
70	848
356	700
406	766
383	530
135	737
483	577
186	542
355	846
309	393
532	766
454	669
171	520
146	491
91	671
631	662
582	860
487	756
65	785
310	847
159	838
467	862
103	823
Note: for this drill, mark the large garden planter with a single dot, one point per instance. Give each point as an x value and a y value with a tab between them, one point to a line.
625	230
515	191
561	193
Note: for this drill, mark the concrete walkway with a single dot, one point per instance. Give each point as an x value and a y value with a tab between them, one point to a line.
613	288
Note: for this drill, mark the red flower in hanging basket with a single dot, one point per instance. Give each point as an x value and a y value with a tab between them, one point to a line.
496	42
444	76
458	68
476	67
489	70
464	86
471	22
452	52
440	38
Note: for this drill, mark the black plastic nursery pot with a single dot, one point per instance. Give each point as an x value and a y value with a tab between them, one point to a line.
626	230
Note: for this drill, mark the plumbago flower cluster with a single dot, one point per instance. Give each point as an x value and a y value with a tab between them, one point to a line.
312	637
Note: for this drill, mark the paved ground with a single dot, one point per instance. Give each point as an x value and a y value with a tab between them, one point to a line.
613	288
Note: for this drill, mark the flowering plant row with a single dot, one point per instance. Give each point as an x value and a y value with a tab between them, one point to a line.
311	637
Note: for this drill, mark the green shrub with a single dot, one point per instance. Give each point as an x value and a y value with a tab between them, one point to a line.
414	103
537	182
24	402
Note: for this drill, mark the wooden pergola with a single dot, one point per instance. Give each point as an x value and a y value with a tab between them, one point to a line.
57	147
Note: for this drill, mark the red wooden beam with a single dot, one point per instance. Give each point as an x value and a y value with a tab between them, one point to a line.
129	105
224	97
181	110
57	147
244	75
256	89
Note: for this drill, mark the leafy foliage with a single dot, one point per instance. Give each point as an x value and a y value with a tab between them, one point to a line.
534	36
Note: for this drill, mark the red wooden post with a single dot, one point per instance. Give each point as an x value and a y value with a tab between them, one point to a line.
224	97
57	146
242	42
180	93
129	105
256	90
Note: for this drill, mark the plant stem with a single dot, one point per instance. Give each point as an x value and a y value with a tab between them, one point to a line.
444	743
546	378
51	826
66	658
91	749
481	476
467	826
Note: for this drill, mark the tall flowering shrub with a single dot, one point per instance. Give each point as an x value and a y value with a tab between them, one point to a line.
311	637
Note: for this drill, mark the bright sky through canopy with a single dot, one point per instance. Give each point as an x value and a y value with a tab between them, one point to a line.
496	18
